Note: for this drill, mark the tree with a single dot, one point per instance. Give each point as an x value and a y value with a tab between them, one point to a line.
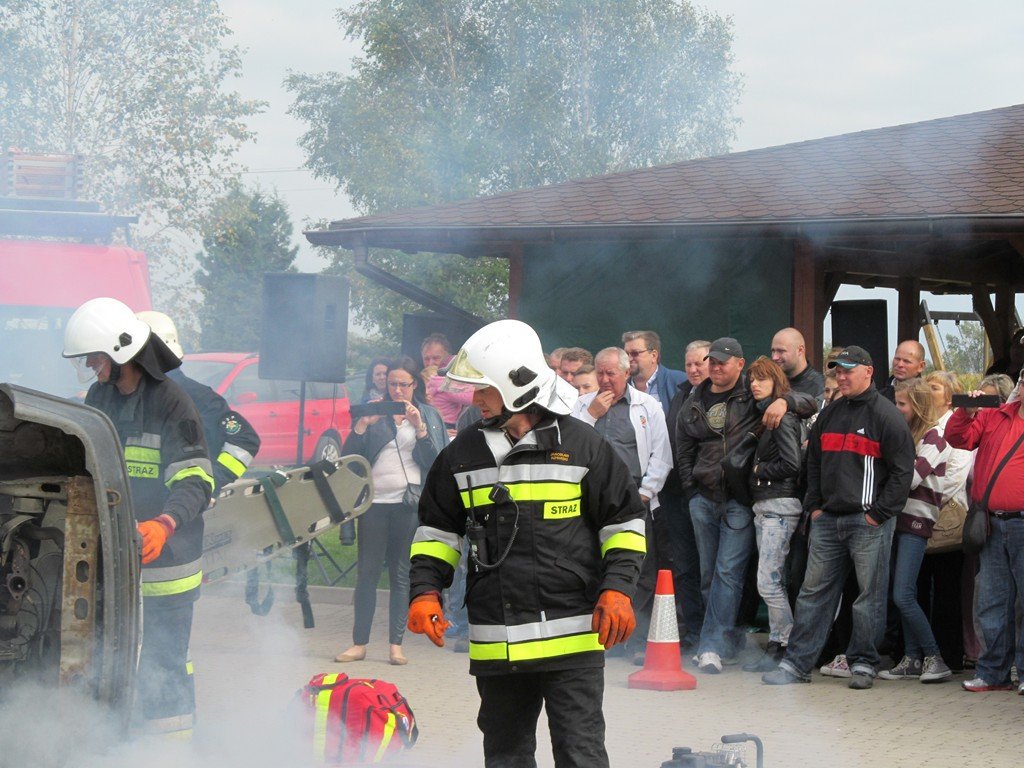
965	351
137	89
458	98
249	233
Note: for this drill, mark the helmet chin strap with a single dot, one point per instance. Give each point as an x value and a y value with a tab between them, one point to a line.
115	372
498	421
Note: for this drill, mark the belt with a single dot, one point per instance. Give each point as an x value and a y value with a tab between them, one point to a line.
1002	515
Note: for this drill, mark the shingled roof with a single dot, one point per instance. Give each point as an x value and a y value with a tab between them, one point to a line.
968	165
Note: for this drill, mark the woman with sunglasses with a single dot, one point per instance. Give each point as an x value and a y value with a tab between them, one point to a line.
400	450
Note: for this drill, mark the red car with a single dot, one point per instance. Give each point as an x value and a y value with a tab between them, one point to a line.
272	406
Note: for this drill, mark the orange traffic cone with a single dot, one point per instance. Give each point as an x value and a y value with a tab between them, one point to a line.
662	664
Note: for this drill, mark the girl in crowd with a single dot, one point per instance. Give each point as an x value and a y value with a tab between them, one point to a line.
921	660
773	486
376	381
945	587
400	450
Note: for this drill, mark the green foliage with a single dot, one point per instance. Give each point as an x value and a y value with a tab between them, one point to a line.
477	285
965	350
459	98
137	88
248	234
362	349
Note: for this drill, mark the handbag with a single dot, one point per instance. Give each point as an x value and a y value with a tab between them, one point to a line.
737	465
413	491
978	526
948	531
411	497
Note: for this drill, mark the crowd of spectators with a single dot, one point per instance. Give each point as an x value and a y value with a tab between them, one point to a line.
844	488
809	489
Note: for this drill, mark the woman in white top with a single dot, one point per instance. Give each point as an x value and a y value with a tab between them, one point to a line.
400	449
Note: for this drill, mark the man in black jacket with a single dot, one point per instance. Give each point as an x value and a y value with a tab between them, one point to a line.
683	545
712	421
860	462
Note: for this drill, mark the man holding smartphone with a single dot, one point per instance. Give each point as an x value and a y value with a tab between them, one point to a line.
995	432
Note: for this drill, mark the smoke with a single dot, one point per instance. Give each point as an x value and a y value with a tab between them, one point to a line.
44	726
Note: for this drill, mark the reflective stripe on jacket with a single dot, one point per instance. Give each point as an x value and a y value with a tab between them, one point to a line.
170	473
578	528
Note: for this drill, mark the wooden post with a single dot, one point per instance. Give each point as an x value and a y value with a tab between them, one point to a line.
515	279
908	318
808	310
993	329
1004	320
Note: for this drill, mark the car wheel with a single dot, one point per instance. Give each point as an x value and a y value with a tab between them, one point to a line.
327	447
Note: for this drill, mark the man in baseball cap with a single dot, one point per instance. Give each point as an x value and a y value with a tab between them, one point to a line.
860	462
851	357
719	412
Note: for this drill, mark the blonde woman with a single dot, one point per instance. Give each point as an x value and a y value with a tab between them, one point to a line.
946	585
921	660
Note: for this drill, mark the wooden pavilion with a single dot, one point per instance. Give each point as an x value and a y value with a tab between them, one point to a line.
745	243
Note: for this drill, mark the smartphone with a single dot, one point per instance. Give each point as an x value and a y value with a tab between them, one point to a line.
378	408
981	401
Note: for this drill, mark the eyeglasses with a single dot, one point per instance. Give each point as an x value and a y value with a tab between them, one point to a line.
402	384
637	352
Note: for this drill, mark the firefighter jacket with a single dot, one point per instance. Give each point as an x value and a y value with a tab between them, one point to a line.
232	441
169	472
561	515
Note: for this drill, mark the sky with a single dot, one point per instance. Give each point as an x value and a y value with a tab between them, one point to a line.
810	69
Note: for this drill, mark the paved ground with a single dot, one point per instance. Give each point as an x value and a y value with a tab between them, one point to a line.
248	668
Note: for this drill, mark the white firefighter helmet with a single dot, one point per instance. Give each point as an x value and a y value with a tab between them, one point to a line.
507	355
105	325
163	327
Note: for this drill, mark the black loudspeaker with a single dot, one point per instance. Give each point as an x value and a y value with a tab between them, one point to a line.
416	327
866	325
305	327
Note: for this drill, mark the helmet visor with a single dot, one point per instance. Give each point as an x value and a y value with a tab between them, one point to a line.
83	371
462	370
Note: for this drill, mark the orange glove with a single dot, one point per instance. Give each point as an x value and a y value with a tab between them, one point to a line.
155	534
613	618
427	618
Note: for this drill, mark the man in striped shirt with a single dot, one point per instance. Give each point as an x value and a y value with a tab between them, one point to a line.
860	461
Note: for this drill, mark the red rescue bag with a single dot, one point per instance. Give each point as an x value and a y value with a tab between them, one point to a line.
351	720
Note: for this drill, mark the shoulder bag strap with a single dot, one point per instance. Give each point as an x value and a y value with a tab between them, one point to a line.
1003	463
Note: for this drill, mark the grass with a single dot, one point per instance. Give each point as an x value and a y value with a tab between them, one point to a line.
282	568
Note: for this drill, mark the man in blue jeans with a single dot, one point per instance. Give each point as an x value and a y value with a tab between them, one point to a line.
714	418
994	433
860	461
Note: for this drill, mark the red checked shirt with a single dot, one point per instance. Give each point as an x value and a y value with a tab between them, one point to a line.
993	431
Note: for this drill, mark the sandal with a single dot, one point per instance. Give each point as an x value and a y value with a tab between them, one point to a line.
350	655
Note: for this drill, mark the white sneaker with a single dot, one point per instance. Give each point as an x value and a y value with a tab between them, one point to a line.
837	667
710	662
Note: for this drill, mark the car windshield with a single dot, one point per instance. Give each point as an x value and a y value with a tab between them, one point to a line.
208	372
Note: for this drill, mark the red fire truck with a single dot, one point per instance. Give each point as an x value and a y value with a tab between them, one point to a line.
56	252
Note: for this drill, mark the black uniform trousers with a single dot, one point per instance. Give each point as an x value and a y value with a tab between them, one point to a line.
510	705
165	684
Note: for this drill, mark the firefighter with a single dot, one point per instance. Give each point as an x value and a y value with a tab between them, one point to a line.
229	435
171	484
555	530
